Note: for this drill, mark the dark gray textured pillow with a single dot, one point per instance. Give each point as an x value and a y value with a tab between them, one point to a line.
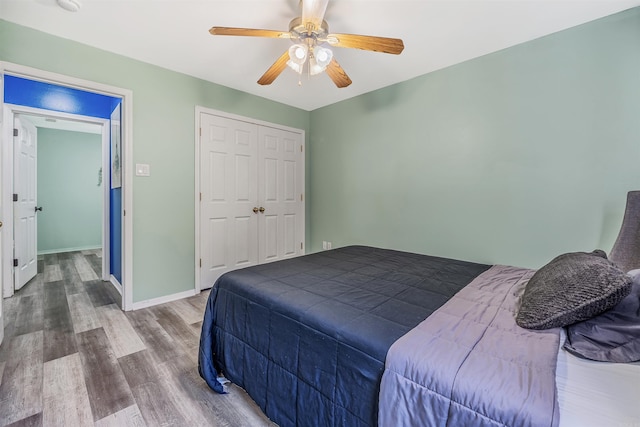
613	336
572	287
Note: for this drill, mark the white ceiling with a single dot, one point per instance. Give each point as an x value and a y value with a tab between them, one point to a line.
174	34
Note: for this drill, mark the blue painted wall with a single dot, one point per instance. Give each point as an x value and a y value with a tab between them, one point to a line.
37	94
46	96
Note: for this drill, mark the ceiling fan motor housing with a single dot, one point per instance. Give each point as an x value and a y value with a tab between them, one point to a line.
301	32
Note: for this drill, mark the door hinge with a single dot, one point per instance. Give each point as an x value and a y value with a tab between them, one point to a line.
301	148
15	132
15	197
124	213
302	197
200	262
200	196
200	131
300	245
15	262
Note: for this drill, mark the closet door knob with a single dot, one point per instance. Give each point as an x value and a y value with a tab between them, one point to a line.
255	210
261	209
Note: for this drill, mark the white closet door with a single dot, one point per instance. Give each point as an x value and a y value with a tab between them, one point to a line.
280	189
228	177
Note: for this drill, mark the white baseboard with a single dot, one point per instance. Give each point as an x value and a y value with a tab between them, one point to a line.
63	250
161	300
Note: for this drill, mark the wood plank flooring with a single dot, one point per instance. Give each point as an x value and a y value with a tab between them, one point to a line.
71	357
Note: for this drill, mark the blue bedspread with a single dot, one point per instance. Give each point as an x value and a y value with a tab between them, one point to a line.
307	337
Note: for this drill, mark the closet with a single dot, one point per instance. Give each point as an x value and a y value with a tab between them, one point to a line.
251	201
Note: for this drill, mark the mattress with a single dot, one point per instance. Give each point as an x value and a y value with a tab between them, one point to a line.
595	394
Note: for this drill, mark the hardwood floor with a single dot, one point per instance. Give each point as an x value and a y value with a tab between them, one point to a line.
71	357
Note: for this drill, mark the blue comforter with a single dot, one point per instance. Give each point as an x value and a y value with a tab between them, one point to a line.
307	337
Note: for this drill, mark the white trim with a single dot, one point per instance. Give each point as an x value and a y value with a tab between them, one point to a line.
127	159
7	207
196	178
106	200
126	127
65	250
115	283
198	111
161	300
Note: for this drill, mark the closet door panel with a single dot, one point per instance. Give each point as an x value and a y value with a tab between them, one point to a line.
279	191
228	176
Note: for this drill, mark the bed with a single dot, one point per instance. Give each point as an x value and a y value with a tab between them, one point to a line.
337	338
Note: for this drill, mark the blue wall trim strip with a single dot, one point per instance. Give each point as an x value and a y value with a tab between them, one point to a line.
48	96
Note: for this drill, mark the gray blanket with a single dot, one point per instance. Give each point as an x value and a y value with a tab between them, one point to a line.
469	364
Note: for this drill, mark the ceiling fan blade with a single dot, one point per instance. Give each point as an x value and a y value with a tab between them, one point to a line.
313	12
373	43
337	74
275	70
253	32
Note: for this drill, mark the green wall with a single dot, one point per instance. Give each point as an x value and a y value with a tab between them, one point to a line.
510	158
163	136
68	190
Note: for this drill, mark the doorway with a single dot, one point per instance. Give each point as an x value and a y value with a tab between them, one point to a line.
124	203
70	189
60	202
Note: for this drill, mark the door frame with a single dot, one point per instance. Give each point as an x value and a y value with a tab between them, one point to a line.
127	161
10	111
198	111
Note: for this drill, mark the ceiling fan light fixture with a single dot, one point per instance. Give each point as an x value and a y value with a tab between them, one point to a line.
314	67
298	53
295	66
323	56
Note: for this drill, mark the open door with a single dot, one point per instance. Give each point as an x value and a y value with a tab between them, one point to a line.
24	197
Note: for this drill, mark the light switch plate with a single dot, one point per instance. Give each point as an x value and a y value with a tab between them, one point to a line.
143	169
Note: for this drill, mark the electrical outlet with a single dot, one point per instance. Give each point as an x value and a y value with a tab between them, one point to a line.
329	245
324	244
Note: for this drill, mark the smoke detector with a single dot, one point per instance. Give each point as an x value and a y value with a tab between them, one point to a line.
70	5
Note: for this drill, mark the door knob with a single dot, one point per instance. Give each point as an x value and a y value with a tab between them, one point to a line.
255	210
0	224
38	208
261	209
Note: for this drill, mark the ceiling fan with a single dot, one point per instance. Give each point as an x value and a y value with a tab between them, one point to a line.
310	36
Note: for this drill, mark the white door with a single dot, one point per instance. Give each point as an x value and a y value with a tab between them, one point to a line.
24	211
228	174
280	190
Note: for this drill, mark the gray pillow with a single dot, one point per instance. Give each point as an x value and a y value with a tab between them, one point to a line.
613	336
572	287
